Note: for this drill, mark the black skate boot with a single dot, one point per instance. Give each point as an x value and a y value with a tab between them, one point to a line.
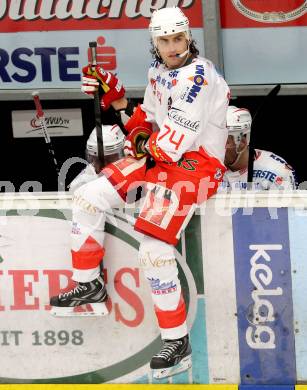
174	357
93	293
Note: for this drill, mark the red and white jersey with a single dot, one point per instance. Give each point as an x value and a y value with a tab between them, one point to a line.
188	108
270	172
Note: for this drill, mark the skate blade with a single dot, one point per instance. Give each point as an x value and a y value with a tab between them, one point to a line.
89	310
184	365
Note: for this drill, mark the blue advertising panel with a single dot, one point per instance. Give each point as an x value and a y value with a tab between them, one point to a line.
264	297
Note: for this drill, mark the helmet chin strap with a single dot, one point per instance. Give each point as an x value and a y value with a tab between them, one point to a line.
183	54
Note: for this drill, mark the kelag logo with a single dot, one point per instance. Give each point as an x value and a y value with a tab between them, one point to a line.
264	297
261	276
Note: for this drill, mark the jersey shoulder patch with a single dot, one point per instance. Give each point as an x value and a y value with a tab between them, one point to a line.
277	158
153	71
193	79
155	64
272	163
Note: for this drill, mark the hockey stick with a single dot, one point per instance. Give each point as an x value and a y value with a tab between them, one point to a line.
97	109
42	120
251	157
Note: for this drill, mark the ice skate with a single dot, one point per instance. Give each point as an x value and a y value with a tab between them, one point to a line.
174	357
77	301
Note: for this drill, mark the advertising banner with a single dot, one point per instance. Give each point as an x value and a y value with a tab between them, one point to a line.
60	123
243	275
36	264
264	297
44	44
264	41
48	15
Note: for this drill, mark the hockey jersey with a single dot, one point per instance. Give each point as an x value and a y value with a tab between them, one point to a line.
187	106
270	172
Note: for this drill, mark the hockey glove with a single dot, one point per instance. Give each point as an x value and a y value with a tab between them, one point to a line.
89	85
135	142
111	85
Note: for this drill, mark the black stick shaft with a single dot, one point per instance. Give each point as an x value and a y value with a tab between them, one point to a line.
251	157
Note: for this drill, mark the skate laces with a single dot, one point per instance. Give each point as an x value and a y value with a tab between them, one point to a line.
168	348
79	288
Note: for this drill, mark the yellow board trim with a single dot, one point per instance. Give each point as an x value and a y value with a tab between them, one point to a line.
120	387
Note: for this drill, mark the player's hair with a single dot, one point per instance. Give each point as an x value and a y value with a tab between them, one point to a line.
193	50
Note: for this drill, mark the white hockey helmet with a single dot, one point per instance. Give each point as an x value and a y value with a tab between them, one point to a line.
167	21
239	123
113	141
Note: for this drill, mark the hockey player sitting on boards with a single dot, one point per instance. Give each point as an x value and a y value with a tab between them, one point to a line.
176	147
269	172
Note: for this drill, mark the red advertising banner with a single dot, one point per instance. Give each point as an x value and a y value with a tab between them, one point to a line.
57	15
263	13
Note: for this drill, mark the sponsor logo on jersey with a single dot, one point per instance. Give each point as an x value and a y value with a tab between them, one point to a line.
166	83
84	204
179	118
218	174
173	73
169	103
155	64
185	93
279	180
159	288
268	175
198	81
277	158
156	262
153	84
188	164
75	228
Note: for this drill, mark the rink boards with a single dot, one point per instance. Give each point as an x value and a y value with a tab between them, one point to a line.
156	387
242	263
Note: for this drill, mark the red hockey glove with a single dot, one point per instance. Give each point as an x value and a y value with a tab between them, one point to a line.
111	85
135	142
